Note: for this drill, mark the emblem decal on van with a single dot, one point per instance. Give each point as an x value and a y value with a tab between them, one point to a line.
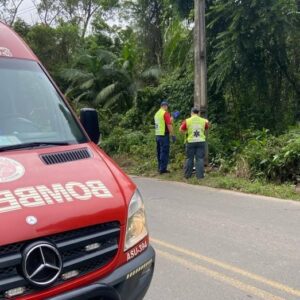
10	170
5	52
31	220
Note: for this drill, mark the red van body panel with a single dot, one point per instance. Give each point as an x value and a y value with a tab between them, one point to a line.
15	45
62	214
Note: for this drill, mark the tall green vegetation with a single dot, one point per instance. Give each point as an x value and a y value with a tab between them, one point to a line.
149	19
124	56
254	61
100	79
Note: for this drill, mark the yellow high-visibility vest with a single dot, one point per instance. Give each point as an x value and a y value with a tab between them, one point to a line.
160	125
196	129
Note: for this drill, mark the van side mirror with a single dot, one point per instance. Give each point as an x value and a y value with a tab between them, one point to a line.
90	122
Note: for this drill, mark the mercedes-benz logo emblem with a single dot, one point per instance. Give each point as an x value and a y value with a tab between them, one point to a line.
42	264
31	220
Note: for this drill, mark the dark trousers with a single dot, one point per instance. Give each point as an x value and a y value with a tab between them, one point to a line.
162	150
194	152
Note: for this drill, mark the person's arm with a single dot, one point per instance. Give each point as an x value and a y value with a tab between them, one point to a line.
207	126
170	128
183	127
168	122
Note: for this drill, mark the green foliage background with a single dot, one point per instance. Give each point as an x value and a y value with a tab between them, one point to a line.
133	54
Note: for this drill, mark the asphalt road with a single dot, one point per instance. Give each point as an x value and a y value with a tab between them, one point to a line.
214	244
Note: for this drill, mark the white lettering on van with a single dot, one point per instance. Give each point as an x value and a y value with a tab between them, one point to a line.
98	189
57	193
73	189
8	202
137	250
29	197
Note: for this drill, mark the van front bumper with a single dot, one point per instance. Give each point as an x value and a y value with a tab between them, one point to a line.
129	282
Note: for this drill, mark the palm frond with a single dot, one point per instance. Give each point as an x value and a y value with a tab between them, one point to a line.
87	84
81	96
105	93
105	56
113	101
152	73
74	75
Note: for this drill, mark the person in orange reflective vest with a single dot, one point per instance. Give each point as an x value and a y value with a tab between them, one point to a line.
195	128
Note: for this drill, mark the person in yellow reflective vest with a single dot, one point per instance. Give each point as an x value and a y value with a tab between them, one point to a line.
195	128
163	130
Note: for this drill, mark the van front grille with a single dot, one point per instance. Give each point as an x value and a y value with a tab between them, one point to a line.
66	156
83	250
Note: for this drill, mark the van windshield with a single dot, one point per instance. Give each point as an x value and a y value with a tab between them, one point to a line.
31	110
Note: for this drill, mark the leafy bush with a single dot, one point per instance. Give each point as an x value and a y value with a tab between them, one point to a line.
122	141
256	155
178	88
141	146
285	164
270	157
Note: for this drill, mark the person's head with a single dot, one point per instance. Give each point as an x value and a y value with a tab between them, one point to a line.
164	105
195	111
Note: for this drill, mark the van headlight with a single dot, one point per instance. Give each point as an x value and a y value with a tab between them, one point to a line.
136	229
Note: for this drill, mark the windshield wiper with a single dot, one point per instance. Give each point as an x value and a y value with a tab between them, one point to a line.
33	145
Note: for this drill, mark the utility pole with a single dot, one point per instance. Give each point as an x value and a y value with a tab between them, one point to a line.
200	94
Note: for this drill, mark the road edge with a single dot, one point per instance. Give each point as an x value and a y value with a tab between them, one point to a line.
208	188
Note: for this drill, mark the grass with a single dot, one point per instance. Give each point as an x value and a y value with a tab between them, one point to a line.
213	178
